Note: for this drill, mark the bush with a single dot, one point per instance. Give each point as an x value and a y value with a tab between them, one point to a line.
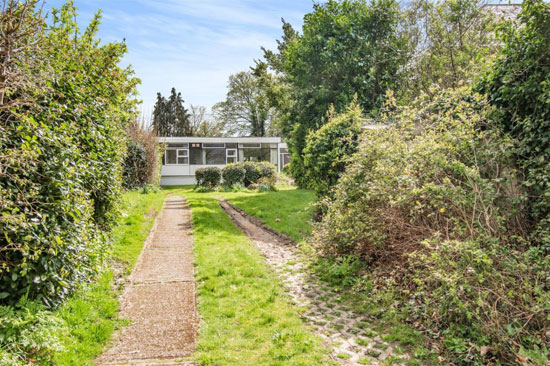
254	171
208	177
233	174
141	165
252	174
519	89
267	171
60	153
435	207
327	149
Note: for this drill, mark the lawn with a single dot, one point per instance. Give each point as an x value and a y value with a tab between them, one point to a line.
289	210
246	316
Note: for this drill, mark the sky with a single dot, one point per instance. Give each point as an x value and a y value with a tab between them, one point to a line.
192	45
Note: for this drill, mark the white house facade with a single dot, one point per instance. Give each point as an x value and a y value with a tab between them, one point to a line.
184	155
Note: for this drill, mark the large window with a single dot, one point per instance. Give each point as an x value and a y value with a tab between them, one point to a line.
196	157
214	156
251	154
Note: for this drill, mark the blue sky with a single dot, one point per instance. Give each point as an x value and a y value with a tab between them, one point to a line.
191	45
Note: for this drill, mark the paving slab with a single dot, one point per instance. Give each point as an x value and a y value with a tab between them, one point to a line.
160	298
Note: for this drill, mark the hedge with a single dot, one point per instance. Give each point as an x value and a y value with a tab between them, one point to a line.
61	154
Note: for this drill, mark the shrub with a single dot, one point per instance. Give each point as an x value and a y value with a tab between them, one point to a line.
518	88
208	177
61	155
327	149
435	207
252	174
267	171
233	174
141	165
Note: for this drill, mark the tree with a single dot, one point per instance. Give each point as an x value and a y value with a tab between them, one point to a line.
246	110
346	47
170	117
452	42
203	126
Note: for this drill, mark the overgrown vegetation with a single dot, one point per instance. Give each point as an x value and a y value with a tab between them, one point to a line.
436	209
519	89
328	148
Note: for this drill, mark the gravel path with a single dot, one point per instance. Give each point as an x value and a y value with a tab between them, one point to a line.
160	298
349	335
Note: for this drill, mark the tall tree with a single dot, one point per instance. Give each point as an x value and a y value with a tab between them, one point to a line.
452	42
203	126
170	117
346	47
246	110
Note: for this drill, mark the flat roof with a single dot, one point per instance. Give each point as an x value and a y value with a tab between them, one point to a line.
244	140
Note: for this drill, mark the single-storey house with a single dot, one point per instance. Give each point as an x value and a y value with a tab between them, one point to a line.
184	155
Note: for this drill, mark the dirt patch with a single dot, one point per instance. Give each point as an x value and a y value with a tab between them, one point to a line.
160	300
350	336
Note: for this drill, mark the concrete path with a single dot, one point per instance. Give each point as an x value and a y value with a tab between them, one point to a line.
160	299
350	336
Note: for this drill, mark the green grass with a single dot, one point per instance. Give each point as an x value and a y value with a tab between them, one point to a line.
91	313
138	218
288	210
246	318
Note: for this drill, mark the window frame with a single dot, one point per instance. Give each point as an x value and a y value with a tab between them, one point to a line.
234	156
184	155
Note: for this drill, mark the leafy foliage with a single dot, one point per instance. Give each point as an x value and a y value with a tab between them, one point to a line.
246	110
435	207
346	47
208	177
60	158
170	117
327	149
254	171
141	165
453	43
233	174
519	89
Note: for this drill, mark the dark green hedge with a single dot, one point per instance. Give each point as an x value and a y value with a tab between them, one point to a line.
208	177
233	174
60	156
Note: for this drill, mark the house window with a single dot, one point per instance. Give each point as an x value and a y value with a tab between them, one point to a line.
214	156
247	146
206	146
176	157
231	156
183	157
252	154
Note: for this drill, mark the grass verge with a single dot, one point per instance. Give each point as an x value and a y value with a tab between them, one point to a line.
246	318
